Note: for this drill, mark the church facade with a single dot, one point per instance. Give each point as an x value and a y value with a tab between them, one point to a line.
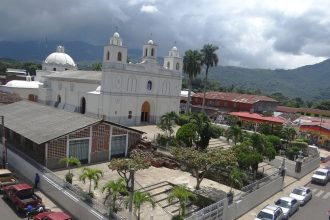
123	93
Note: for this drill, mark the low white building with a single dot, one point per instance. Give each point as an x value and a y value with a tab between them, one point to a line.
125	93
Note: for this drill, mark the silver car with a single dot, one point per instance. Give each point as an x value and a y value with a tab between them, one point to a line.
302	194
288	205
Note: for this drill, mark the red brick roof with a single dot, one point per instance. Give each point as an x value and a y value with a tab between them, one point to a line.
258	117
235	97
302	110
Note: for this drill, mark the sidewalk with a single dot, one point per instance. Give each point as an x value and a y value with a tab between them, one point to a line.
289	184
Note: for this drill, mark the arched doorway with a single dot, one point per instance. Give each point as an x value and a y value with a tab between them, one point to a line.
83	105
145	112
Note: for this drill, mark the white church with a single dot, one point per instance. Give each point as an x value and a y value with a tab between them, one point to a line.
123	93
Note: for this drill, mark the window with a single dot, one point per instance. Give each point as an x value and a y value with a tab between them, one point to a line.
54	69
177	67
118	145
149	85
58	98
146	52
108	55
168	65
129	114
119	56
83	105
152	52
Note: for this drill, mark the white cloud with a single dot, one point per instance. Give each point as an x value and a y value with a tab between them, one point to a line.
149	9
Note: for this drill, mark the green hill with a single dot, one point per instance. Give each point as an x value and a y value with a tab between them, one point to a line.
310	82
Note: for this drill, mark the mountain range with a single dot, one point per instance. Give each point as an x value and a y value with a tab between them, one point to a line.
310	82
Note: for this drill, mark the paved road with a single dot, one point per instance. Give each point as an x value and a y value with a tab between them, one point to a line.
7	212
317	208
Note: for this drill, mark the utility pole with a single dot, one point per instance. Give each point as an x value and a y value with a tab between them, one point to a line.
4	151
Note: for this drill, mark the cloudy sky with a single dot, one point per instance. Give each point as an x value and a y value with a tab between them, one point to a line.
249	33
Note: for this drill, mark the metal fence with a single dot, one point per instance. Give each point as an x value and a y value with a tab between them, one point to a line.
79	193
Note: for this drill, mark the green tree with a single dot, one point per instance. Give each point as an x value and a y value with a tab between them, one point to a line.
183	195
91	175
113	190
236	178
324	105
70	162
187	134
200	162
288	133
97	66
209	59
139	199
234	133
191	67
123	166
167	121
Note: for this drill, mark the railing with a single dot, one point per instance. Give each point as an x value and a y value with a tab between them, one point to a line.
79	193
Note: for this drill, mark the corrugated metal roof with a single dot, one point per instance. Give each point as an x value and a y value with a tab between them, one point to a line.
41	123
259	117
235	97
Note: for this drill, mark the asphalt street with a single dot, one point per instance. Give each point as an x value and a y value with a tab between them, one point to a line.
317	208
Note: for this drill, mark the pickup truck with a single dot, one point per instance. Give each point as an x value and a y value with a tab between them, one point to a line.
321	175
52	216
6	178
21	195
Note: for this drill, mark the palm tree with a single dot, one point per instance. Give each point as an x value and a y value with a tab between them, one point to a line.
192	67
167	121
139	199
92	175
234	133
114	189
70	161
236	178
182	194
288	133
209	59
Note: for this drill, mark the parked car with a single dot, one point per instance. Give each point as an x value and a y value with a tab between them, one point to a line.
6	178
52	216
288	205
270	212
21	195
302	194
321	176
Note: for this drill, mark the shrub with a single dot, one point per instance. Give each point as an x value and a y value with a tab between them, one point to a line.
183	119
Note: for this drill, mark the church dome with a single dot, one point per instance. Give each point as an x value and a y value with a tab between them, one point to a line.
23	84
174	48
60	58
116	34
150	42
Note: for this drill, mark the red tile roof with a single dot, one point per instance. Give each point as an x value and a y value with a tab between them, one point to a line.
317	124
235	97
258	117
302	110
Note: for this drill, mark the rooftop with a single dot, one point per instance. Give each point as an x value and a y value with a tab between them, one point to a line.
302	110
235	97
40	123
77	75
258	117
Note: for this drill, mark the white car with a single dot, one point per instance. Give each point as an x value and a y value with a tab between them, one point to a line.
321	176
302	194
270	212
288	205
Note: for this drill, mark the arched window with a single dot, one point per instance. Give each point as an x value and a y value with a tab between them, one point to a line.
83	105
168	65
54	69
59	99
149	85
177	66
108	55
146	52
152	52
119	56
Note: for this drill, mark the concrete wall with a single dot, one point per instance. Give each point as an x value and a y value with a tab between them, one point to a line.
251	200
54	190
309	164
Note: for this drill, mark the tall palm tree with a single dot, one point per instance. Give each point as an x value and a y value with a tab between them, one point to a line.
92	175
114	189
139	199
288	133
234	133
167	121
236	178
182	194
192	67
209	59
